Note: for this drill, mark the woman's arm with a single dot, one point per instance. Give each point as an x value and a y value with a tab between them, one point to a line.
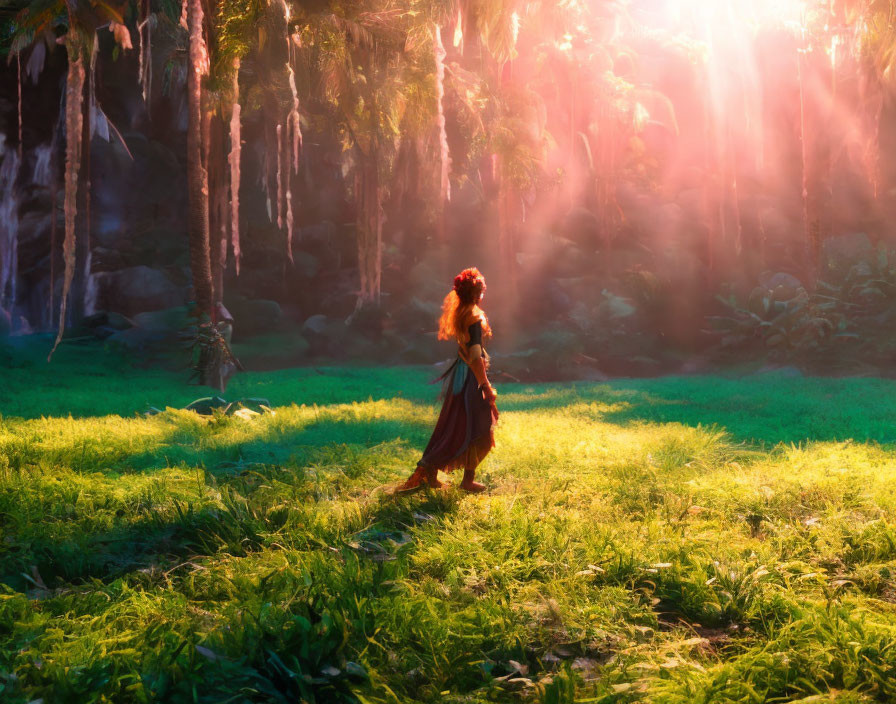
477	363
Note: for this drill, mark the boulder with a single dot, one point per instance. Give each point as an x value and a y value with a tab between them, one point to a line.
316	325
325	335
254	317
423	349
138	289
175	319
104	259
105	324
208	405
156	334
615	307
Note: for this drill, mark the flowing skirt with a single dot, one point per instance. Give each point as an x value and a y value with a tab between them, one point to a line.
465	431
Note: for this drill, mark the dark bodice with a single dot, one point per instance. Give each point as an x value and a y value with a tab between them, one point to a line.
475	331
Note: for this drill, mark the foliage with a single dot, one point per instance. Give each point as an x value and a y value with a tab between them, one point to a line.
779	314
213	360
847	315
627	551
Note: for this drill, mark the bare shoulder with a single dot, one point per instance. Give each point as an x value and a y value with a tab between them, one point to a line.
473	316
477	315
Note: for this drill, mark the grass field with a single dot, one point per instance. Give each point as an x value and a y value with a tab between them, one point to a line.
691	539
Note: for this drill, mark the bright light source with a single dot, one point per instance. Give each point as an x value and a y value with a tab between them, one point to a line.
714	15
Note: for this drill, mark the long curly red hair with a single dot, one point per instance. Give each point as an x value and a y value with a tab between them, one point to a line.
460	309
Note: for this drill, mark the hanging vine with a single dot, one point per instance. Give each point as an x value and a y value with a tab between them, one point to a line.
234	162
74	96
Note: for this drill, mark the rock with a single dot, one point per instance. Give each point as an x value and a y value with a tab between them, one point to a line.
368	320
175	319
422	349
615	307
581	316
106	260
208	405
258	317
116	321
258	405
513	367
305	266
107	230
156	334
138	289
414	316
316	324
105	324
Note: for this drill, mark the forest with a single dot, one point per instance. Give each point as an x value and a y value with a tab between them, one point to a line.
652	186
227	232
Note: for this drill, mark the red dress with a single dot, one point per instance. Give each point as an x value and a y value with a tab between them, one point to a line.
464	433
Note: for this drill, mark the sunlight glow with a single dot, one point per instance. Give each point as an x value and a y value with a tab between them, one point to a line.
750	14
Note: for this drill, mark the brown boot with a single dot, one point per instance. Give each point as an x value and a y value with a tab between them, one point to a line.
469	485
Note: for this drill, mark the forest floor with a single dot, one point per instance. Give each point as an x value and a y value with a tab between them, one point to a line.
689	539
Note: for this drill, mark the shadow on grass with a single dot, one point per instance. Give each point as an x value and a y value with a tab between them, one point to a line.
312	465
155	543
767	409
342	441
789	411
86	380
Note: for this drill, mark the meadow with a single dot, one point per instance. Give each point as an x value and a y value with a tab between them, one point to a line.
688	539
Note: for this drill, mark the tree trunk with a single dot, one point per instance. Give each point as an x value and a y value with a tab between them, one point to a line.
368	196
197	176
211	362
444	154
809	226
217	207
234	162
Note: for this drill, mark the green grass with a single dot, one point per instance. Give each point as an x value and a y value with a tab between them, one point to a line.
697	539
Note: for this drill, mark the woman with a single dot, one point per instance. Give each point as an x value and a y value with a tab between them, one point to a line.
464	433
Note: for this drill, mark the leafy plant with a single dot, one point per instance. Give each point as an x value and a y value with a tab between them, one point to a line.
779	315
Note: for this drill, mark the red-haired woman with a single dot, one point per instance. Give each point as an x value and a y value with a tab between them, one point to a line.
464	433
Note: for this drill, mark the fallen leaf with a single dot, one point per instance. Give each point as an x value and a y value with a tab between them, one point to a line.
522	669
